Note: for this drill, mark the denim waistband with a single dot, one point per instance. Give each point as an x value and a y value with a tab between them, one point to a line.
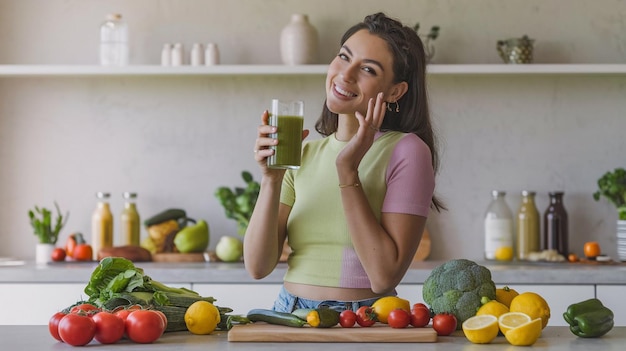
287	302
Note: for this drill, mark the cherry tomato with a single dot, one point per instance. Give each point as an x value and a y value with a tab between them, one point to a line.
444	323
58	255
77	329
399	318
85	308
123	314
109	327
83	252
347	318
420	316
365	316
144	326
53	325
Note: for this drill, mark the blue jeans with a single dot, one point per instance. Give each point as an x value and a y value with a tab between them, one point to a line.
286	302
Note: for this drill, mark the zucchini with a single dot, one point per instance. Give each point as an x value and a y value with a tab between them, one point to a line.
164	216
275	317
175	317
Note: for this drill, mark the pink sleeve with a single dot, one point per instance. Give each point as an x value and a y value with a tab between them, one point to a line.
410	178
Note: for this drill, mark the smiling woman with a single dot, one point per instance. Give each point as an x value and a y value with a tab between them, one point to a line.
354	212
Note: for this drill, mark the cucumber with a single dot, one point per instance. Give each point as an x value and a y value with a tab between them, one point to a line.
275	317
169	214
302	312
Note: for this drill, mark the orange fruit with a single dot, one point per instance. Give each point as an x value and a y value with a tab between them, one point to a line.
505	295
592	249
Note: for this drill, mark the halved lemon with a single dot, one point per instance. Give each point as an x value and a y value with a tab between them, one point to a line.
481	329
512	320
526	334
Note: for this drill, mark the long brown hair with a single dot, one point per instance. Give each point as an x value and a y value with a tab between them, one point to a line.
409	65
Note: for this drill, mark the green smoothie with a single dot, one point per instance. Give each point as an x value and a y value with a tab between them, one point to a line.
288	151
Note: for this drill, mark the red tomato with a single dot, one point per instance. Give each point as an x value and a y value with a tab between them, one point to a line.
53	325
72	241
365	316
399	318
163	317
420	305
347	318
83	252
144	326
420	316
58	255
123	314
444	323
77	329
85	308
109	327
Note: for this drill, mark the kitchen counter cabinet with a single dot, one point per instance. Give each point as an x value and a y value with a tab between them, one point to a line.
612	296
553	338
55	286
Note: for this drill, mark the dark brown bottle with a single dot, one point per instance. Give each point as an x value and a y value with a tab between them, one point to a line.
555	228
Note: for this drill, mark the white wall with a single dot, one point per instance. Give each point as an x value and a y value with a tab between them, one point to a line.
175	140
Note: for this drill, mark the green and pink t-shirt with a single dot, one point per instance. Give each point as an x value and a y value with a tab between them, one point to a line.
396	175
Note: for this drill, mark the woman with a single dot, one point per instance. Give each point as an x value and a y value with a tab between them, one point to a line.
355	210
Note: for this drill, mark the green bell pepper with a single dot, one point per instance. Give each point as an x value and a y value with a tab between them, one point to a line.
589	318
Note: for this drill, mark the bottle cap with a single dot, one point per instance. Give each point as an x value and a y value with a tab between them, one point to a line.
103	195
129	195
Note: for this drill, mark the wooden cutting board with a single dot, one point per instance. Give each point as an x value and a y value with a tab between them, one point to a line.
263	332
423	250
178	257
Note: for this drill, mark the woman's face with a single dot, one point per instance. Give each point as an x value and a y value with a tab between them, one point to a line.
362	69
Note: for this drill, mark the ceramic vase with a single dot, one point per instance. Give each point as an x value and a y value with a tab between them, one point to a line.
43	253
298	41
621	240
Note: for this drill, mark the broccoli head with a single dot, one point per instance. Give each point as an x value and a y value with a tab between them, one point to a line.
457	287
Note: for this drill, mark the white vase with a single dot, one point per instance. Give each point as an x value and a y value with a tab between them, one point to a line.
621	240
43	253
298	41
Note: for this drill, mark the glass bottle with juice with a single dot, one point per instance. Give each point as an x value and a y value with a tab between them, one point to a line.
101	225
498	229
528	234
130	220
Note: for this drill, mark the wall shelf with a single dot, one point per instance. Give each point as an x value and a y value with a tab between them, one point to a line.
300	70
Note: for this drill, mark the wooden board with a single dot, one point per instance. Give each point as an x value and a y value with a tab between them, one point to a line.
423	250
178	257
263	332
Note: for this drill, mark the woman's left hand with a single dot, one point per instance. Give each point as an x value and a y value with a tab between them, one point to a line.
352	154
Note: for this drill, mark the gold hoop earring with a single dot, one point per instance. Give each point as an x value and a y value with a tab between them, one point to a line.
397	109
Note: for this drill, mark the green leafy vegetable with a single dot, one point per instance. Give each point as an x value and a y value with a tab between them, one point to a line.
239	204
43	226
116	282
612	185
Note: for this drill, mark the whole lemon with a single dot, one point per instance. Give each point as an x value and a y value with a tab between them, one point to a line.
505	295
202	317
504	253
493	308
533	305
383	306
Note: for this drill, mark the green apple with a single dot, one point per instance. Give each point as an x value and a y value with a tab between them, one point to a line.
193	238
229	249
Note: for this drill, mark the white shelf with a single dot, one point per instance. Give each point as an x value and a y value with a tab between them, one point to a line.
299	70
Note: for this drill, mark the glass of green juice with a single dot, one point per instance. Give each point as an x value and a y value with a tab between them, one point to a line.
288	118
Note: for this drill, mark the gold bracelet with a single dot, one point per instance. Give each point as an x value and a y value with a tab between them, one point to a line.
356	185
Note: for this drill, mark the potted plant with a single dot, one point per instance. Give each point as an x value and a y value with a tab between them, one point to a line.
41	221
612	186
238	204
429	48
